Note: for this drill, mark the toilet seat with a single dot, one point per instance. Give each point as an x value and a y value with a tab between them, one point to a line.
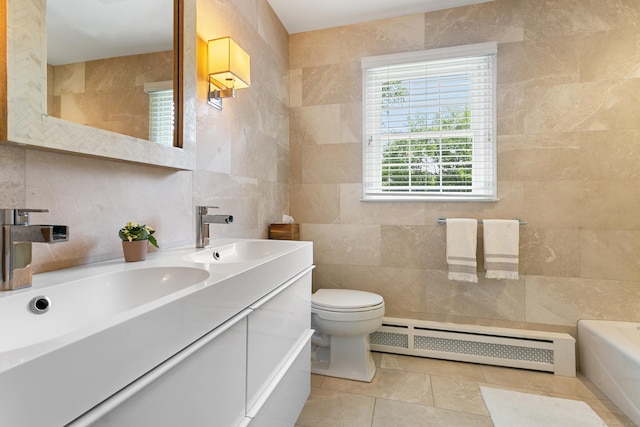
345	300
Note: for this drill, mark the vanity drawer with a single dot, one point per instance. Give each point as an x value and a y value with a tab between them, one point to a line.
289	390
202	385
275	326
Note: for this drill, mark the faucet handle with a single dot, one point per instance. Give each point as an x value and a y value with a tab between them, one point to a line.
17	216
21	216
202	210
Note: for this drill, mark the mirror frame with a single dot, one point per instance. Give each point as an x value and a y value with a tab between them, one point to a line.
27	123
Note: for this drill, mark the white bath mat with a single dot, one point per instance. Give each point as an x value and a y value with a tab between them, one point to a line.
511	408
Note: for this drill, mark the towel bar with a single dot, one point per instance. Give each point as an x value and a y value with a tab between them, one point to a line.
443	220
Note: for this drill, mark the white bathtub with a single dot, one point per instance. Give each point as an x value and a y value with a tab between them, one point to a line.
610	358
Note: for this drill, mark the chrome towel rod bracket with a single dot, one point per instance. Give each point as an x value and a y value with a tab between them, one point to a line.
443	220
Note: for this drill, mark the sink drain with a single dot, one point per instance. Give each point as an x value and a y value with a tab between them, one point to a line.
40	304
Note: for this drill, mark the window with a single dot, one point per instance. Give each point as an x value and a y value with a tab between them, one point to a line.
429	125
161	112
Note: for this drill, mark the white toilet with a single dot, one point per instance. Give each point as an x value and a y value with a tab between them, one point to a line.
343	320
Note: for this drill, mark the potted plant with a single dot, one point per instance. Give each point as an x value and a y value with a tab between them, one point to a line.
134	241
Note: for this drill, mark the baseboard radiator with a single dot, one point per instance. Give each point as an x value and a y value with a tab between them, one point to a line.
537	350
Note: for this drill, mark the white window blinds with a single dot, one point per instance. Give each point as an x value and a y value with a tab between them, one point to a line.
429	124
161	112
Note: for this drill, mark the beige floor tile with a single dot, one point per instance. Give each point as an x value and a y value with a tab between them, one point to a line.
513	388
458	395
414	391
423	365
377	357
404	386
328	408
541	381
317	380
390	413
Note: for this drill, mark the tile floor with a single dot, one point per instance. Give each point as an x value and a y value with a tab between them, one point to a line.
413	391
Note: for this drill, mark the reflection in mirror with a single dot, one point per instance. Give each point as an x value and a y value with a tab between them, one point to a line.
28	125
110	66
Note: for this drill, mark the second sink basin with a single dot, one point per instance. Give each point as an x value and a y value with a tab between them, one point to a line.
238	252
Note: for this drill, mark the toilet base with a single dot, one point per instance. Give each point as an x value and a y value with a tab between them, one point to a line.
346	357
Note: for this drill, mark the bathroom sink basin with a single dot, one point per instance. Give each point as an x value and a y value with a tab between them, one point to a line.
44	314
241	252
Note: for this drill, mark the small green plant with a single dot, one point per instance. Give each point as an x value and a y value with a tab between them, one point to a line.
134	231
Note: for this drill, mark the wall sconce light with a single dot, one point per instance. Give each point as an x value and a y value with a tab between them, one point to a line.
228	70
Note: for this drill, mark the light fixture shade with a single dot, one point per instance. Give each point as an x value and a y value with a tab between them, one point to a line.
229	65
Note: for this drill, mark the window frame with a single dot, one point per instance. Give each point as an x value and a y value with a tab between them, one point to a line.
372	181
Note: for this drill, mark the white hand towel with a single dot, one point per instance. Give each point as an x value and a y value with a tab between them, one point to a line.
461	249
501	248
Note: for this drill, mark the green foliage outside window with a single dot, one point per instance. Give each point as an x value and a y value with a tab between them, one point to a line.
439	156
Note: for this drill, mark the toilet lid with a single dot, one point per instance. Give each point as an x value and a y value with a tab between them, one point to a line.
345	298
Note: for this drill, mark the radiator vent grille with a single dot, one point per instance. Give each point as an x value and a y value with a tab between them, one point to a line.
484	349
544	351
390	339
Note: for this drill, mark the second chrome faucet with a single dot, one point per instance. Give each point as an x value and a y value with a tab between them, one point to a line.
203	219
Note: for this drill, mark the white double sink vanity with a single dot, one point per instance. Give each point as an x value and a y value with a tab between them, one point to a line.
218	336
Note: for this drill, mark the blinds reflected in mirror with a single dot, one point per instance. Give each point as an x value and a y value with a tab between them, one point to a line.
161	112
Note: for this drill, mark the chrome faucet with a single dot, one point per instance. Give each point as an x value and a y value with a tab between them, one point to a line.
17	236
203	219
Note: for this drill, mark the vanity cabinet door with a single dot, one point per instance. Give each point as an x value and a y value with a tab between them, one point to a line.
205	387
277	326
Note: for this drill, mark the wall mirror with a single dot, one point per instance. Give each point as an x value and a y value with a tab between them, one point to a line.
84	124
108	62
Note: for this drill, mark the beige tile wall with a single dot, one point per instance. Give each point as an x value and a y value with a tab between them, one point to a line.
569	150
108	93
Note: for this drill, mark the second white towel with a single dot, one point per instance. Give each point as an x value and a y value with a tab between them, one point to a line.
501	248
